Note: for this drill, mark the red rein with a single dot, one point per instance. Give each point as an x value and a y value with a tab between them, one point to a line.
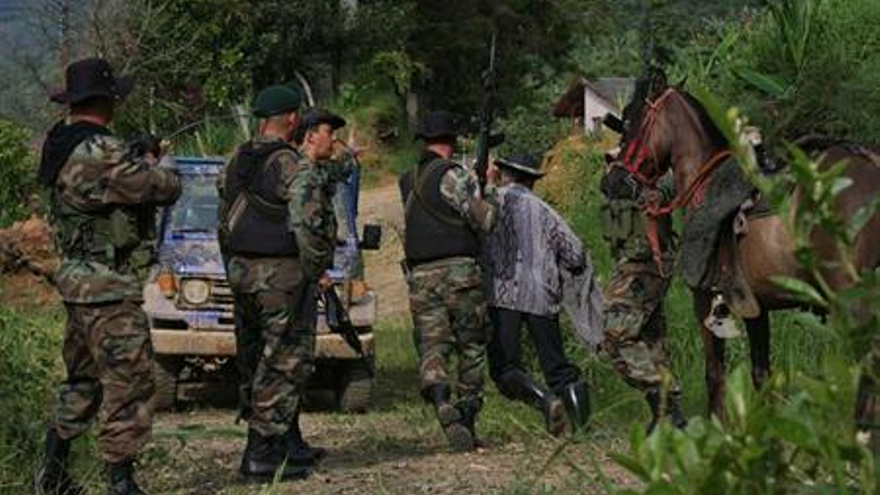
637	152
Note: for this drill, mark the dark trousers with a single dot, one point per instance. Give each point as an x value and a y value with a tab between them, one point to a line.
505	353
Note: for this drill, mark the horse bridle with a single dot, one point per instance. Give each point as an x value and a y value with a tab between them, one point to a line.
637	151
637	154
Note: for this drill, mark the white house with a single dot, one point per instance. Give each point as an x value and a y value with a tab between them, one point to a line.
588	100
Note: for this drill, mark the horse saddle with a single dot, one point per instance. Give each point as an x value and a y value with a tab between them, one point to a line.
709	254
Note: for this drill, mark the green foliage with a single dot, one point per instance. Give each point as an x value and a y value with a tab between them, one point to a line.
799	67
796	435
787	438
30	344
17	180
215	137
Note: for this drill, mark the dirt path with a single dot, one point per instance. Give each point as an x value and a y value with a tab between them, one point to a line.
396	448
381	452
381	205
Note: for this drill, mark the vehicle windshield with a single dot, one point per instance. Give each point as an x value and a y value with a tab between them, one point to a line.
196	210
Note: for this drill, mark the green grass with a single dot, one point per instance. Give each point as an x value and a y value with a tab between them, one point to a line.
30	352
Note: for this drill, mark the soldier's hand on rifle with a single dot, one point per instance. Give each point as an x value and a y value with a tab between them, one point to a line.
493	174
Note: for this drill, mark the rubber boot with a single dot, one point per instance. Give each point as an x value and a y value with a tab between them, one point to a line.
299	452
451	418
264	456
671	412
120	477
520	386
53	478
576	398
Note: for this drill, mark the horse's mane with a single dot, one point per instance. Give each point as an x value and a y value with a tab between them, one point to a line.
713	133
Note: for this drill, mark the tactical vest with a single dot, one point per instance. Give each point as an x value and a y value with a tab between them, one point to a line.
256	221
434	230
624	222
118	236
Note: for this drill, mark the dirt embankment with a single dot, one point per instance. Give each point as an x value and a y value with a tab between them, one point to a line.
27	263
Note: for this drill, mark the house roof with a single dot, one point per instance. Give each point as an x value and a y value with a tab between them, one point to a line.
613	91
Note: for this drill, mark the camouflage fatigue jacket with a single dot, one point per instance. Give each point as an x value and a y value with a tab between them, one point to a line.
308	189
100	179
461	190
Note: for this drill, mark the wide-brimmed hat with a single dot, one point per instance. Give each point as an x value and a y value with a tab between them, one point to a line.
439	124
524	162
90	78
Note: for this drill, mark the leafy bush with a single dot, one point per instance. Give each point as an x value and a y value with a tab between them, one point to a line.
17	179
30	346
799	67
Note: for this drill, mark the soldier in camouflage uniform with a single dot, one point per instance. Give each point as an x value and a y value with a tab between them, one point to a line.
635	322
277	236
102	195
445	216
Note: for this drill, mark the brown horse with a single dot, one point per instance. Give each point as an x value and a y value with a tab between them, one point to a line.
667	128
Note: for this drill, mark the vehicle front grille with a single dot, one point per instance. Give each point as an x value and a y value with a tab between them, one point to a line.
220	299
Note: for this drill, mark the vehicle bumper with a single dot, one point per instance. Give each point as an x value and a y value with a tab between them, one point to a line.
220	344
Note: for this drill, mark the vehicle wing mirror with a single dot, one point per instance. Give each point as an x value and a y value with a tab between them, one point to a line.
372	238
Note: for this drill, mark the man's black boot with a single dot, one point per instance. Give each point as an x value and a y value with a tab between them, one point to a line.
53	478
265	456
672	411
652	397
576	398
470	407
451	419
518	385
300	452
120	476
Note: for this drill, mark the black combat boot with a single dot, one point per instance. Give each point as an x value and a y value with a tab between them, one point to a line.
460	438
264	456
120	476
672	411
518	385
299	451
576	398
470	407
53	478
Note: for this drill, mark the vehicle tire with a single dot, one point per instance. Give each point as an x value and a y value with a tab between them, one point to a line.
358	386
167	375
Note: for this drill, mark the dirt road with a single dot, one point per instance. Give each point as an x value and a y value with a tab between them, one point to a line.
396	448
381	205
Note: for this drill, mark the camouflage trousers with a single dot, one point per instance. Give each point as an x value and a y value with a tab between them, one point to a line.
635	323
275	340
109	359
450	319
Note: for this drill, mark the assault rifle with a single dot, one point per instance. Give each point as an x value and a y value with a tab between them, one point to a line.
486	140
339	321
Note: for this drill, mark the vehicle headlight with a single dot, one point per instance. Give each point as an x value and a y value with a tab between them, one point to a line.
195	291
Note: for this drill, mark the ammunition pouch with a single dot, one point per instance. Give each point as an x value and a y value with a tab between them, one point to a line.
120	237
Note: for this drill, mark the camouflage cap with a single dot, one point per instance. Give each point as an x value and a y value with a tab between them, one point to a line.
276	100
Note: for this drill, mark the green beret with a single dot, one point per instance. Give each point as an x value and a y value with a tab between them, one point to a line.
276	100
